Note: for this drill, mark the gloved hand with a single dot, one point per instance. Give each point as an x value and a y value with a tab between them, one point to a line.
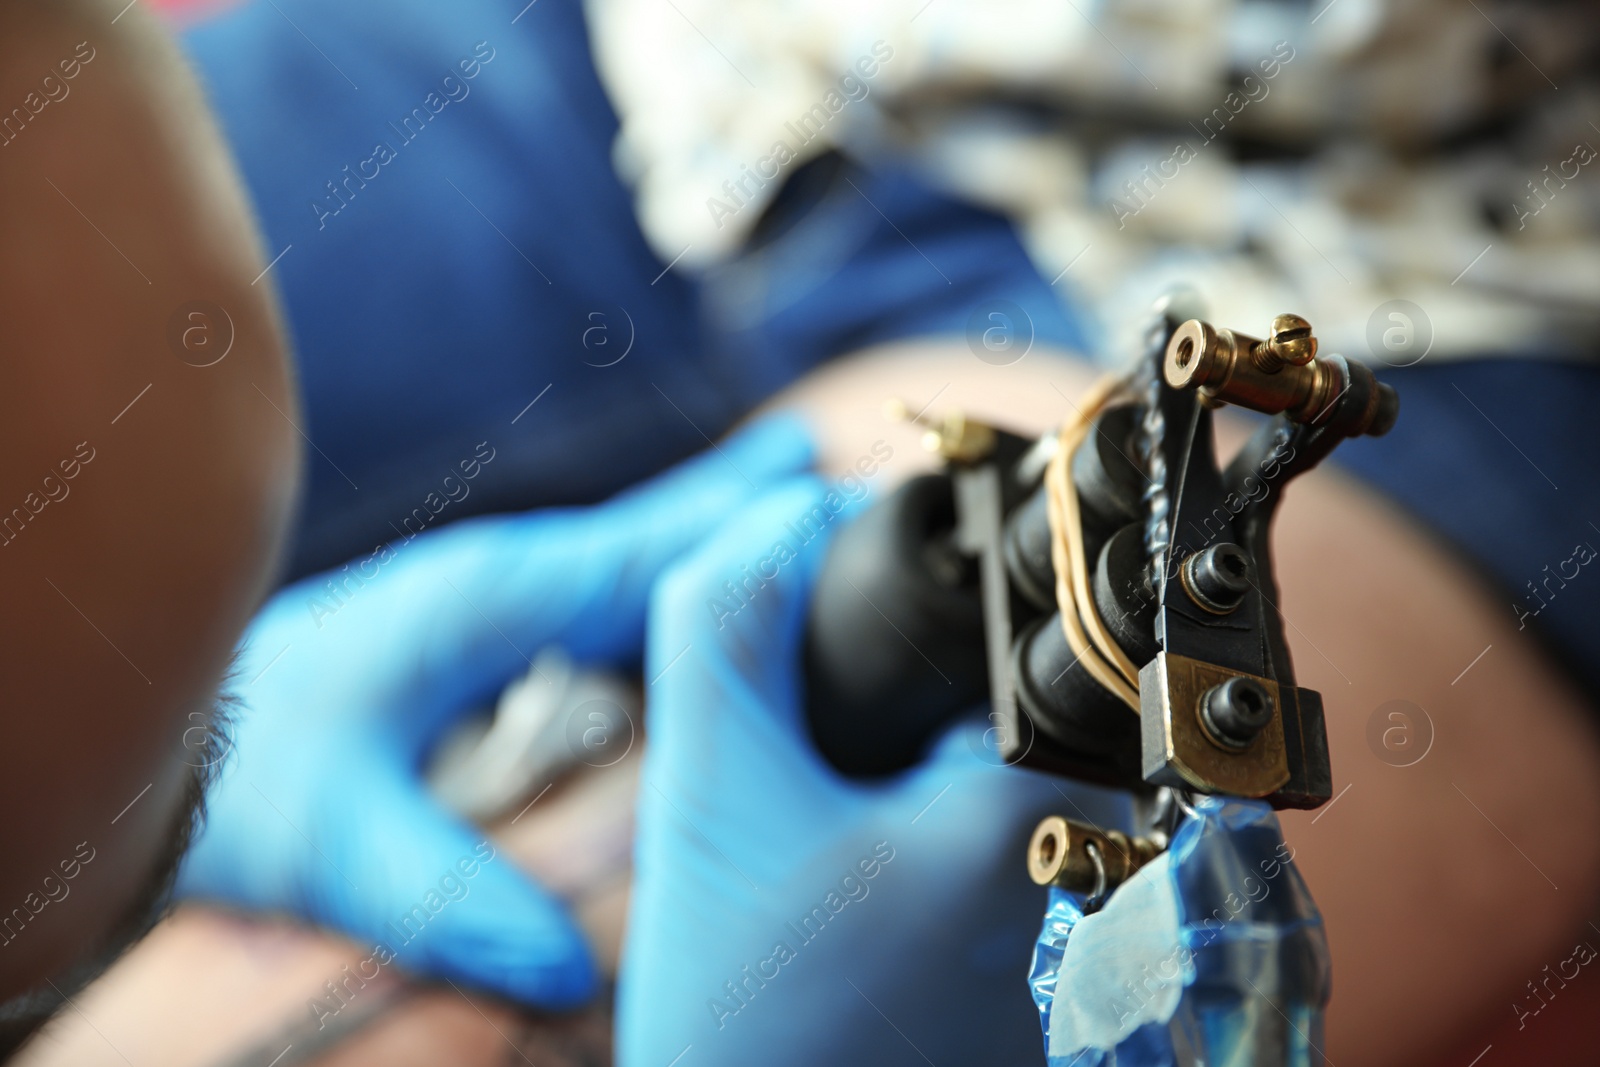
780	913
324	816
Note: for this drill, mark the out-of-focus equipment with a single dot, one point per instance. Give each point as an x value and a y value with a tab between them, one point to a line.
552	719
1108	587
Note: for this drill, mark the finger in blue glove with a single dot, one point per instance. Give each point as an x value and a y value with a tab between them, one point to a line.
322	813
782	914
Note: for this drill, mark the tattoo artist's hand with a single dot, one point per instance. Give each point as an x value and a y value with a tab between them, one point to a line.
322	813
782	914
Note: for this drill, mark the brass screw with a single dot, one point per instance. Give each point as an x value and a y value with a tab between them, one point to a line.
1084	859
1289	343
952	436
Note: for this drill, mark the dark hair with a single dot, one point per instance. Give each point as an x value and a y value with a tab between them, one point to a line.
23	1015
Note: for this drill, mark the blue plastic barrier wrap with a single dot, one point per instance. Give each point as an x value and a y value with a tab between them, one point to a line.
1213	953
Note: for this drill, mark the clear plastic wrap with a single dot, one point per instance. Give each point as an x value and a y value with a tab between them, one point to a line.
1214	953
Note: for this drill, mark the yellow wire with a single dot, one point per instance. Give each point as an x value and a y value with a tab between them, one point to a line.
1086	633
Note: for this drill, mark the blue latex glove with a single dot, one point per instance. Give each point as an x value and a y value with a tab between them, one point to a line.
324	815
781	914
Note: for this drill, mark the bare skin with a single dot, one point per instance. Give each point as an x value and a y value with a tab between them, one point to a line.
154	494
1438	881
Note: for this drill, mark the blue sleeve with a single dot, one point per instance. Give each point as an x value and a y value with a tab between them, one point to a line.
455	247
